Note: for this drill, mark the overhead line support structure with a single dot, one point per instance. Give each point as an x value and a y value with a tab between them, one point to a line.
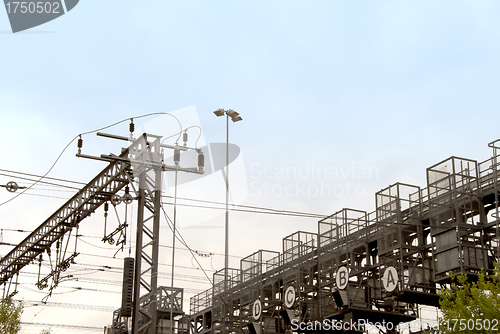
142	161
107	183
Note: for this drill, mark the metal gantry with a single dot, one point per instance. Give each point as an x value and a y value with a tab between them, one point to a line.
149	308
376	267
370	267
63	221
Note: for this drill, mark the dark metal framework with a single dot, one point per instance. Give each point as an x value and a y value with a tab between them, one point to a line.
142	162
419	234
106	184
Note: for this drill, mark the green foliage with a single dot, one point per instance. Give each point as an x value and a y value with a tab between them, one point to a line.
10	316
471	307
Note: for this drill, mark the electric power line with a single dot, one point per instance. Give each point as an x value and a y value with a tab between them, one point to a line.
89	328
252	209
100	308
80	135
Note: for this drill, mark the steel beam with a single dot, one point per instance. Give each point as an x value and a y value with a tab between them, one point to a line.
107	183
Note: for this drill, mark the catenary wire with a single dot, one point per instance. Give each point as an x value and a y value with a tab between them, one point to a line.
79	135
276	211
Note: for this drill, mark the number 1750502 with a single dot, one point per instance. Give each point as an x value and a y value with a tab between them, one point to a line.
33	7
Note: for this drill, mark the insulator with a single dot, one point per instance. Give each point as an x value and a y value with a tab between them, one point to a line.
106	206
201	160
80	144
127	199
131	126
116	199
127	287
57	244
185	137
177	156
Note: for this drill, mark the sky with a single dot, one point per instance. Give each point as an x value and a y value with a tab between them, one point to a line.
339	100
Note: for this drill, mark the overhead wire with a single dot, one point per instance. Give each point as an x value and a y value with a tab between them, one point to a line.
109	257
46	196
100	247
179	135
47	177
34	303
313	215
93	280
162	246
48	325
283	213
272	212
77	136
23	286
183	242
75	269
37	313
181	239
42	182
263	210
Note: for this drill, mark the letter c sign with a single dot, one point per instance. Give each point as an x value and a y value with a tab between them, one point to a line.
289	297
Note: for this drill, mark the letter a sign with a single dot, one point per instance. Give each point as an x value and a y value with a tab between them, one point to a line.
390	279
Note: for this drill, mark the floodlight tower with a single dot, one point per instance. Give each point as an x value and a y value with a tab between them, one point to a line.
235	117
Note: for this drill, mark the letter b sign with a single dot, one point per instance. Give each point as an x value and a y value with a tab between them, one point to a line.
342	278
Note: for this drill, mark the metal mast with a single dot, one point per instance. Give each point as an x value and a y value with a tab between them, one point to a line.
141	162
148	165
146	159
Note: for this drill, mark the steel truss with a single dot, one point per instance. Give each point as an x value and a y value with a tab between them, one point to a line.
141	163
418	234
106	184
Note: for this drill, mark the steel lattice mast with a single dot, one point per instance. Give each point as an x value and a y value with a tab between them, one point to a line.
141	162
106	184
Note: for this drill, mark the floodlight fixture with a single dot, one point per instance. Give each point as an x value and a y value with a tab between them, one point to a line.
236	119
235	116
219	112
231	113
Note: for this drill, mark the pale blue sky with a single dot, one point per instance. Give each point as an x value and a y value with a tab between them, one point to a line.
391	85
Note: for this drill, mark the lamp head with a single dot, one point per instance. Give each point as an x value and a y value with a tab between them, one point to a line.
219	112
231	113
235	116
